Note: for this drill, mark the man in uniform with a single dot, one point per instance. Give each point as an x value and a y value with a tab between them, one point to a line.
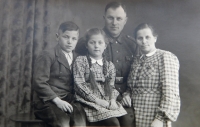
120	50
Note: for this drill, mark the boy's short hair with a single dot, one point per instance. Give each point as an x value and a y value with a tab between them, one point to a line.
115	5
68	26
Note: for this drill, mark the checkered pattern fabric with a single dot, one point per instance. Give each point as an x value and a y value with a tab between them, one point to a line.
87	96
153	84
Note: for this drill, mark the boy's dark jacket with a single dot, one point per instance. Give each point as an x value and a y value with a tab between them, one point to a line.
52	75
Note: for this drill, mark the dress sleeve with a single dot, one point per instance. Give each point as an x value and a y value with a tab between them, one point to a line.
112	75
170	100
79	72
41	76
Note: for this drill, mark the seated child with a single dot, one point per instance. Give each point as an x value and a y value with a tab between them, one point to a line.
94	79
53	82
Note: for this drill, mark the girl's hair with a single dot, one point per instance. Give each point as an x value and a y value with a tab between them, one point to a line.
95	31
107	88
143	26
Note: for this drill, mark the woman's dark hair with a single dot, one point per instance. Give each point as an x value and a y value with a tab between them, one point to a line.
107	88
143	26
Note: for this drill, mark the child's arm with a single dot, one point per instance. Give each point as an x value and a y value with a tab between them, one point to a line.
170	101
63	105
79	70
41	76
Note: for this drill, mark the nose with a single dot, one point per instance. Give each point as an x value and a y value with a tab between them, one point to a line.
69	41
144	41
96	45
114	21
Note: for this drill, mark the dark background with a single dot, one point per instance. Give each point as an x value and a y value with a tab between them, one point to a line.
29	26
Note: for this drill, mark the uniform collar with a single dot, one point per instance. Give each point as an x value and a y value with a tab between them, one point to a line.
99	62
112	39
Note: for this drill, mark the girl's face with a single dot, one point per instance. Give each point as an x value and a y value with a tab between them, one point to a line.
96	46
145	40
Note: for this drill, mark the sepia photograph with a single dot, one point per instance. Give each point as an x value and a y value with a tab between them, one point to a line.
119	63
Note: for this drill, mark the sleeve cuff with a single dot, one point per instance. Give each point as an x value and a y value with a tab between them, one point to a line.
160	116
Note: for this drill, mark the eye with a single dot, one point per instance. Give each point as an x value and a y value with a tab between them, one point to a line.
110	18
91	42
74	38
101	42
148	37
119	19
65	36
139	38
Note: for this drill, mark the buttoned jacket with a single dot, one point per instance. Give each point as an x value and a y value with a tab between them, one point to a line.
52	75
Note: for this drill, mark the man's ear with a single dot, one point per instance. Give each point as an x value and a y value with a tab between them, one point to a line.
57	35
156	37
126	20
104	17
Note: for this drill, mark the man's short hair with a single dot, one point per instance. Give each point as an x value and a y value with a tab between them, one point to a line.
115	5
68	26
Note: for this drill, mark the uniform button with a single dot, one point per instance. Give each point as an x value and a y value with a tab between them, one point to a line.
117	51
117	61
116	42
60	72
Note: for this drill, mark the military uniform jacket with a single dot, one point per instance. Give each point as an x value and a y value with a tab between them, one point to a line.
87	95
120	51
52	75
153	85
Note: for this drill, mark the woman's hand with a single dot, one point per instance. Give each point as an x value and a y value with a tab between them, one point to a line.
63	105
102	103
113	104
157	123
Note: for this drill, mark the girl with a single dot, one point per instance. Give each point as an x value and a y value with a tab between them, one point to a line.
153	82
94	79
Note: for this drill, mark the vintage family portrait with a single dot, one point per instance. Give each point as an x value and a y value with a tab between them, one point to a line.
111	63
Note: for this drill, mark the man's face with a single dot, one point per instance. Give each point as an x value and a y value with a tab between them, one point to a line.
115	19
68	40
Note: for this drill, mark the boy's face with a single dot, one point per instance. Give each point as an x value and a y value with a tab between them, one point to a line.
145	40
68	40
96	46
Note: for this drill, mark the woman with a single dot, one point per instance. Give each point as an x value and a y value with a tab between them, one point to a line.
153	82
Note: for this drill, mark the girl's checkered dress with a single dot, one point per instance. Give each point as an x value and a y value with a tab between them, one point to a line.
87	96
154	88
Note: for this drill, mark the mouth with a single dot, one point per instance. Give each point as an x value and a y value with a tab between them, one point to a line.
114	28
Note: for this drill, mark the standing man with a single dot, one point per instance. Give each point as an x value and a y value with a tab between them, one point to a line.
120	51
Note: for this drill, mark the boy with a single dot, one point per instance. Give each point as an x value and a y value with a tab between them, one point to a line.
53	81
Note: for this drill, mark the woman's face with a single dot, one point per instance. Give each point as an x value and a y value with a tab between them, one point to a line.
145	40
96	46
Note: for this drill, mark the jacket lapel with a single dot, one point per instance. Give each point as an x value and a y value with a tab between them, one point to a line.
61	57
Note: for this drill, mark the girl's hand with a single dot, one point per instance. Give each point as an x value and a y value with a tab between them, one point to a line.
102	103
113	105
63	105
157	123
